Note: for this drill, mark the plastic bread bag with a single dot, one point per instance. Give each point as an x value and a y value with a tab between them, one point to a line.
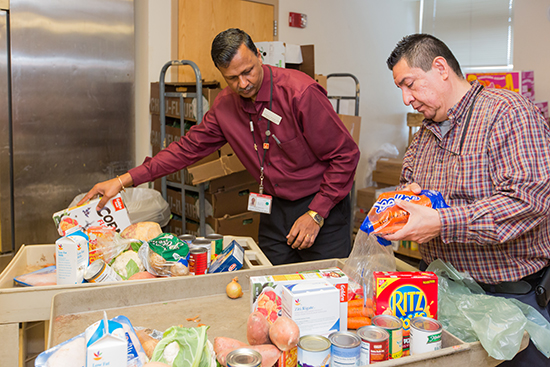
165	255
105	243
386	218
369	254
498	323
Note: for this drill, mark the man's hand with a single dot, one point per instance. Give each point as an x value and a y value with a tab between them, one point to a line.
303	233
107	189
423	224
414	187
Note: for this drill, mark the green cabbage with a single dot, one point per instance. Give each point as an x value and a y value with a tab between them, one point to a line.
189	349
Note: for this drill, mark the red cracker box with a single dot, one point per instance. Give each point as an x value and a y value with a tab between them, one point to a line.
522	82
405	295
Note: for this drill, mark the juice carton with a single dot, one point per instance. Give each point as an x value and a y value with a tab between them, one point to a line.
106	344
314	306
266	291
71	258
113	214
405	295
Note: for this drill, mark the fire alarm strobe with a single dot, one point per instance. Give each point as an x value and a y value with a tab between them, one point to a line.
298	20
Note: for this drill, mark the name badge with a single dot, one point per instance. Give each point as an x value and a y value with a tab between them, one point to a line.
271	116
259	203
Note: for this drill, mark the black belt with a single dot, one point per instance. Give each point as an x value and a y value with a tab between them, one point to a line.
522	286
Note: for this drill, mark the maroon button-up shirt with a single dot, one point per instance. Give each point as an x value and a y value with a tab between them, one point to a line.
316	153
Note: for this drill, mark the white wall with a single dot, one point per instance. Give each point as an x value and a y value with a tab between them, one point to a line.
357	36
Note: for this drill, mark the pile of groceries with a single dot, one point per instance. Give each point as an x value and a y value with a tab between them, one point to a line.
105	247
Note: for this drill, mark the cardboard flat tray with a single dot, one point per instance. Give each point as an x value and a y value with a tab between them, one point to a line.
23	304
159	306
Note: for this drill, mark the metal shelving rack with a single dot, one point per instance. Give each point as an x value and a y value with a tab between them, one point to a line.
356	99
199	113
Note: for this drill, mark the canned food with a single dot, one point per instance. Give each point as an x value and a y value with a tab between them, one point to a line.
314	350
244	357
345	350
394	326
189	238
425	335
374	344
204	243
98	272
217	244
198	260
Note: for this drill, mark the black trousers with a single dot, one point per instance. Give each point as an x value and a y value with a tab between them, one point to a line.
333	240
530	356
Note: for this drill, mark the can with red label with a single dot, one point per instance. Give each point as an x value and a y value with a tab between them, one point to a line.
394	326
198	260
374	344
207	244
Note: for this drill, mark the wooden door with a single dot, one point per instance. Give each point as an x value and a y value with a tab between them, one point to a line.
199	21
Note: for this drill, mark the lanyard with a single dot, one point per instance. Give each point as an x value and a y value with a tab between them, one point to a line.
467	122
267	134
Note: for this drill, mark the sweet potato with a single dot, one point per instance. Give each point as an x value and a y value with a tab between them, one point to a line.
284	333
147	342
270	354
257	329
142	275
222	343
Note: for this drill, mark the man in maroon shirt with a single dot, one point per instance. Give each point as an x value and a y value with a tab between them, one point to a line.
286	133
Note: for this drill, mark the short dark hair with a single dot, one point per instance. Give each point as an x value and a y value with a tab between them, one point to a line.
227	43
420	50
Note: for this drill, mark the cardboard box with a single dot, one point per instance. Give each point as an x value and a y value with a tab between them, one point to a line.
223	166
172	104
322	80
308	61
522	82
314	306
388	171
353	124
273	53
366	197
243	224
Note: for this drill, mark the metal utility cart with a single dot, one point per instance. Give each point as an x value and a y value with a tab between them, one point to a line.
356	99
197	95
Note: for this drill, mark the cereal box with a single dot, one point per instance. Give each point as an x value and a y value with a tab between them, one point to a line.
266	291
113	214
405	295
522	82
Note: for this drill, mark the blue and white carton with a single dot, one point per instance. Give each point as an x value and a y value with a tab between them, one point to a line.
71	258
106	344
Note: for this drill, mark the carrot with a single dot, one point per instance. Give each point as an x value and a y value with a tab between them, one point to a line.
193	318
359	302
360	311
357	322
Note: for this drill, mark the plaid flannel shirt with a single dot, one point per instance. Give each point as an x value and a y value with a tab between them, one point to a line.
497	186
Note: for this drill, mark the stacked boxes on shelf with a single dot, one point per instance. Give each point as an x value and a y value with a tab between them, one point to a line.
227	182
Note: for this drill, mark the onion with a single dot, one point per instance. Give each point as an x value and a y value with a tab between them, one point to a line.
234	289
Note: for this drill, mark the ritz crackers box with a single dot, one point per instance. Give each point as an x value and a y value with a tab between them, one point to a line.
405	295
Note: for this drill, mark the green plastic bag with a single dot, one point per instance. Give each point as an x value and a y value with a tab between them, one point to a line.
498	323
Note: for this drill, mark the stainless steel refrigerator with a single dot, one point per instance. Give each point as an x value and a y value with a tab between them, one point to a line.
66	108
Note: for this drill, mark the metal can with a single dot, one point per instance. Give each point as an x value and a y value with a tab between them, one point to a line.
374	344
345	350
314	350
98	272
425	335
204	243
217	244
244	357
188	238
394	326
198	260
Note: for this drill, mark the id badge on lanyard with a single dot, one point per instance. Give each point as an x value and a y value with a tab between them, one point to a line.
259	203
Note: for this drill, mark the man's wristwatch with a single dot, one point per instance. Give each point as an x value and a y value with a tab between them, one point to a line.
317	218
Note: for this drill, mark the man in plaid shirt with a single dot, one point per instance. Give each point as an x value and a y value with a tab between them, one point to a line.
487	151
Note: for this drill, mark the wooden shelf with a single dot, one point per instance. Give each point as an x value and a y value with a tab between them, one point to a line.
410	253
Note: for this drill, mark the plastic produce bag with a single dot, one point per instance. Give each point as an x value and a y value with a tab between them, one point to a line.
105	243
369	254
165	255
143	205
498	323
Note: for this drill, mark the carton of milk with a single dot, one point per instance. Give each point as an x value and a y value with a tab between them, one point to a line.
314	307
106	344
113	214
71	258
